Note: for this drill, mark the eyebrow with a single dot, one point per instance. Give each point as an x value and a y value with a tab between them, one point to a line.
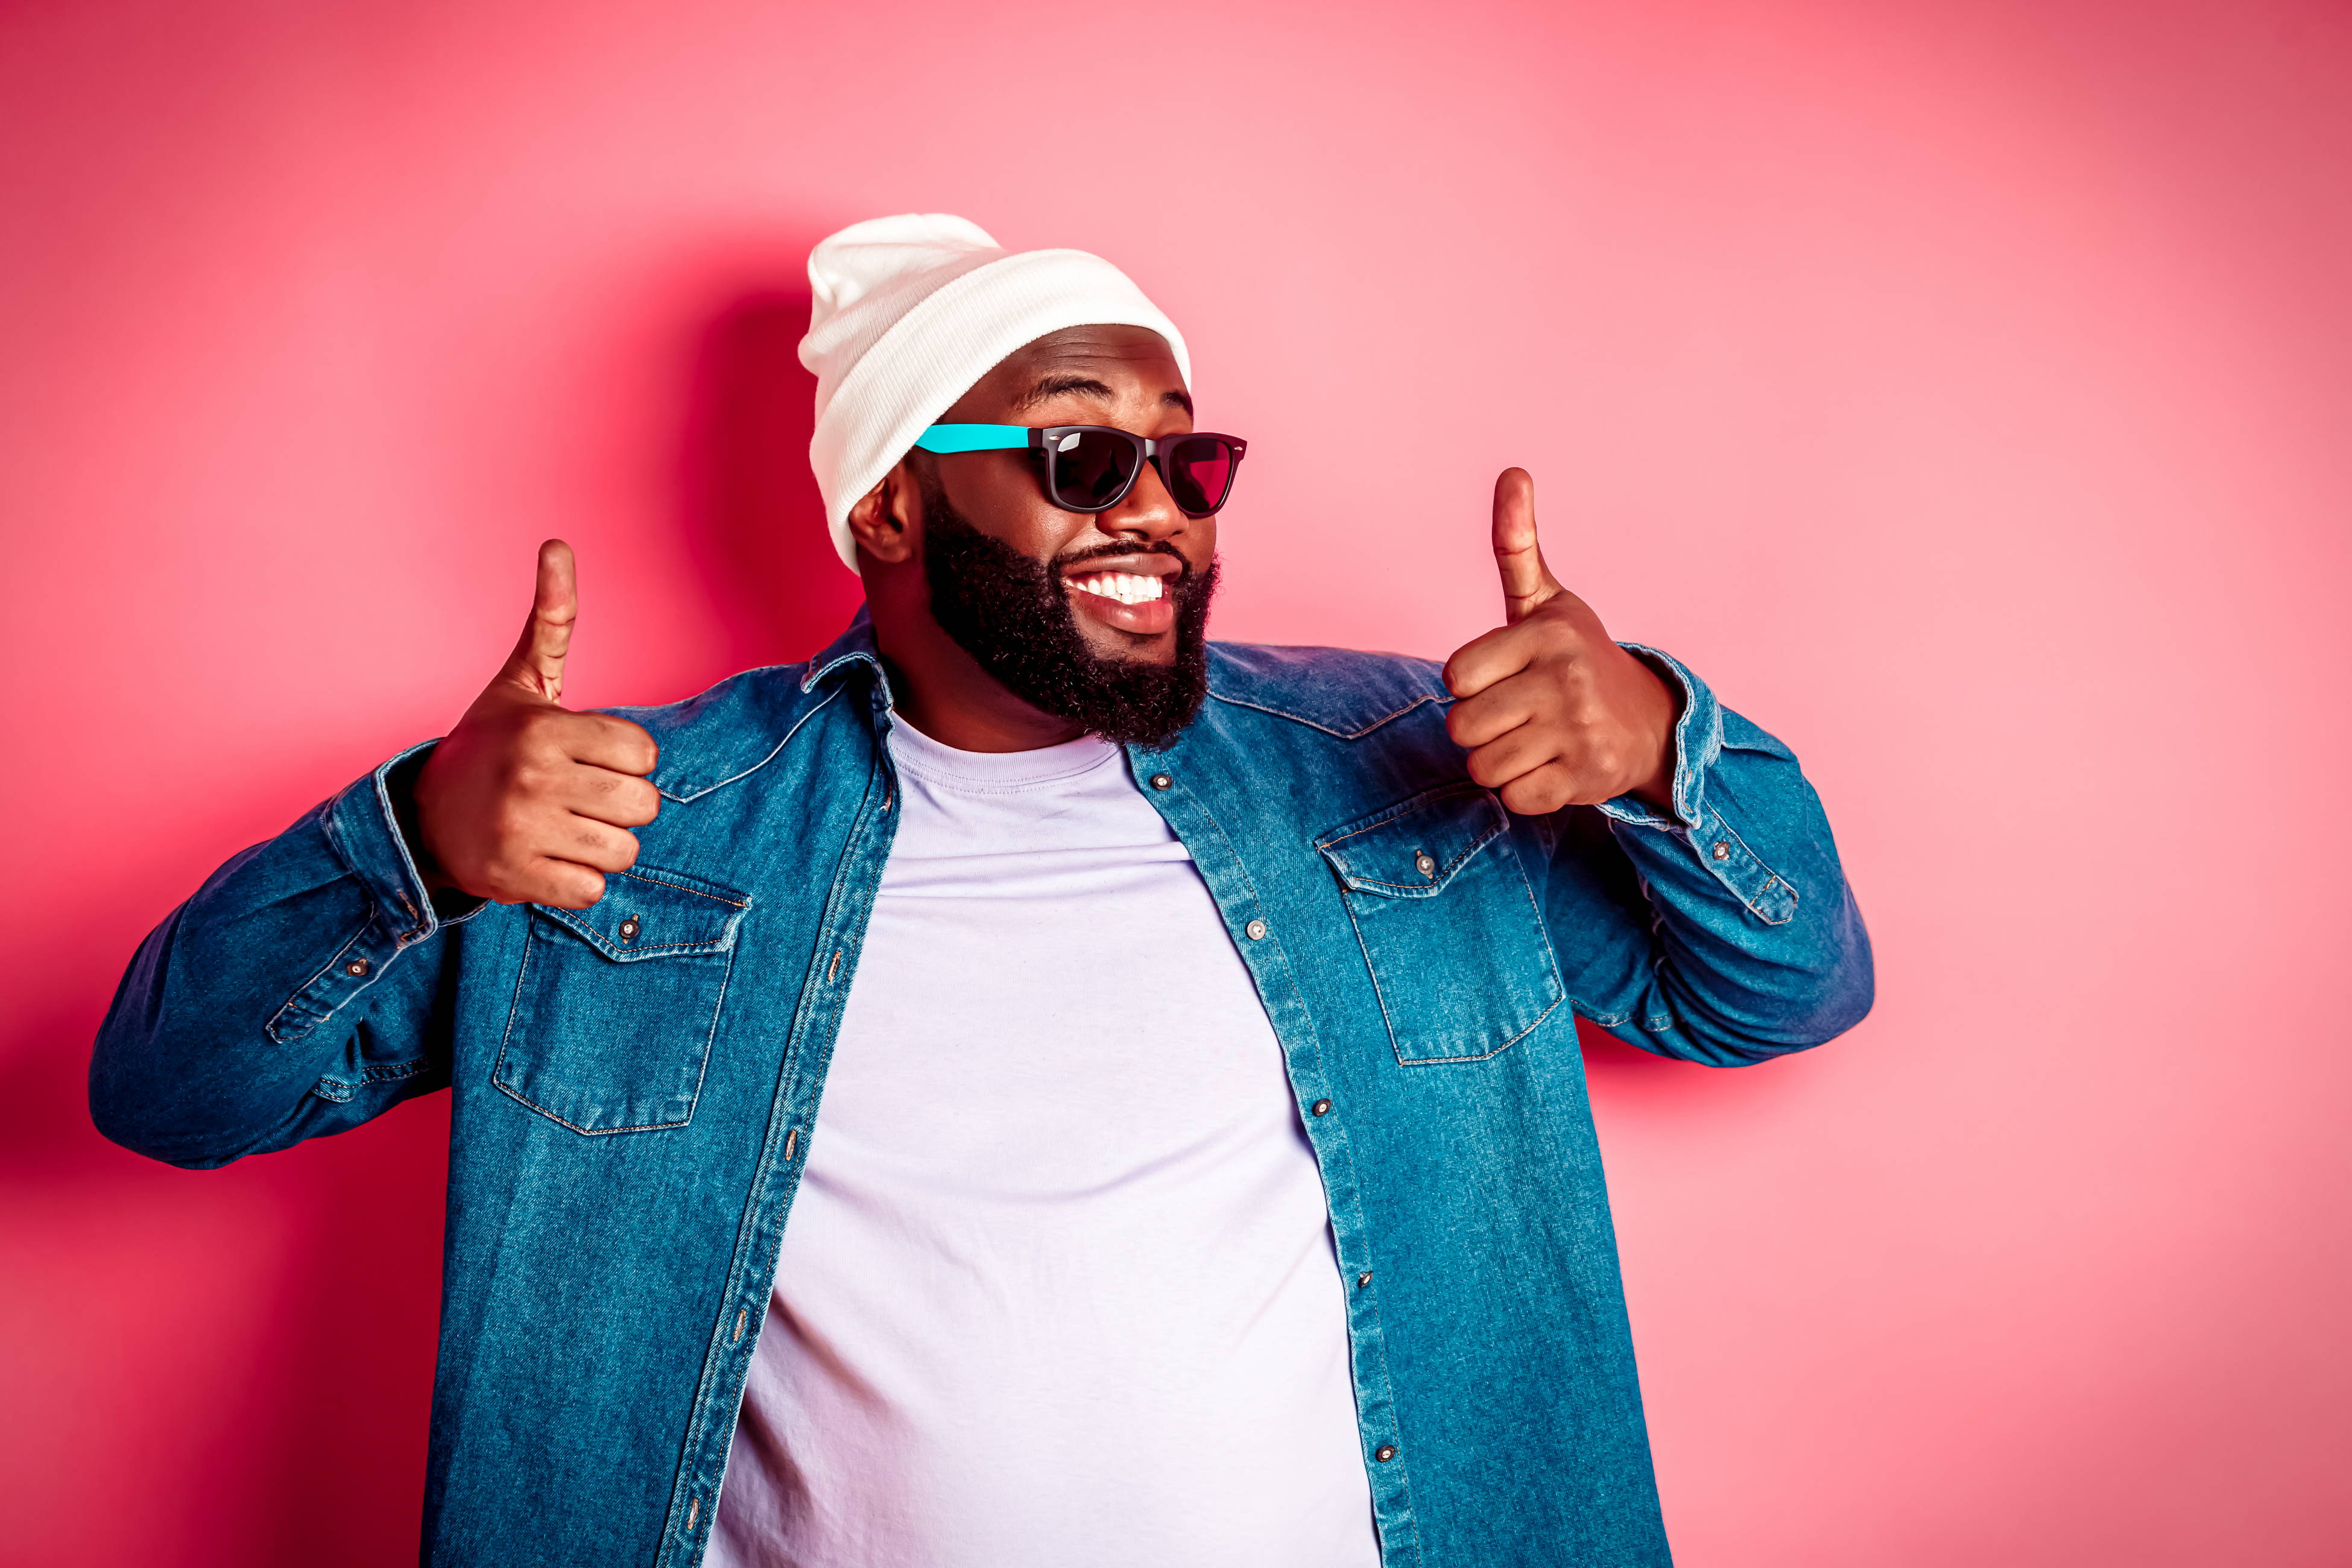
1053	386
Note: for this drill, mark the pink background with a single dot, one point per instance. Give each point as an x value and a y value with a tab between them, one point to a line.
1964	388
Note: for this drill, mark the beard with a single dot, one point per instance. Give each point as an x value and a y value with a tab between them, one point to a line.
1011	614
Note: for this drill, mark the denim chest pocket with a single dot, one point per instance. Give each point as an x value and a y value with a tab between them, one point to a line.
616	1005
1449	926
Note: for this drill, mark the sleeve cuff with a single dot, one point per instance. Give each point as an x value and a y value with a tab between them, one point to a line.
364	828
1699	741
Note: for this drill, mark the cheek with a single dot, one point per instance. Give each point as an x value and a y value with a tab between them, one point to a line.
1199	542
1011	509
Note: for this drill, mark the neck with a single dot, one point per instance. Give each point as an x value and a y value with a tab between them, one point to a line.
941	690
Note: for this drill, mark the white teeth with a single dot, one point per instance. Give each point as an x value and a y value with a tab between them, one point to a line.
1127	588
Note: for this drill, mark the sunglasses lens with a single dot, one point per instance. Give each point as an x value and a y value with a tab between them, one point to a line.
1091	468
1200	473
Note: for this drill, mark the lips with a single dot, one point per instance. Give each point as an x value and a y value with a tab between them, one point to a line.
1127	593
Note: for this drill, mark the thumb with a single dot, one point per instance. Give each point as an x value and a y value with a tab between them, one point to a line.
1526	581
537	663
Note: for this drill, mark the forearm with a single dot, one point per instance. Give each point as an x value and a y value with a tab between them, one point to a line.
1745	942
294	994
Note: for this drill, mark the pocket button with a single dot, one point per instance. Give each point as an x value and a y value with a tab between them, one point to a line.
1425	864
629	929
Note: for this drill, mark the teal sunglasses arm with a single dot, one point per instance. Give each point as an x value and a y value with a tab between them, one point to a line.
975	438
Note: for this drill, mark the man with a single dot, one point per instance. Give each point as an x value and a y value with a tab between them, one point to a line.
1029	1086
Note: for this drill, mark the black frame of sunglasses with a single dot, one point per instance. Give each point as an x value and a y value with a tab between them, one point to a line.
1045	439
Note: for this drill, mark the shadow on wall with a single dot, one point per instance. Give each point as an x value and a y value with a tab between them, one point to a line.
753	519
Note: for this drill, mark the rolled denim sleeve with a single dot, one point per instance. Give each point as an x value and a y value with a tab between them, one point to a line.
1735	937
301	991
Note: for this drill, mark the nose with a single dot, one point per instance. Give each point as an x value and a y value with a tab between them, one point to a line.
1147	513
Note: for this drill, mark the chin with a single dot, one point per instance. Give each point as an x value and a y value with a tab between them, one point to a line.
1130	648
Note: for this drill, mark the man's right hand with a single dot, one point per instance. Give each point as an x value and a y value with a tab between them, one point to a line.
527	802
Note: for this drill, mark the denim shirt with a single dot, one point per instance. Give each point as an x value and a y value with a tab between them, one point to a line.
635	1084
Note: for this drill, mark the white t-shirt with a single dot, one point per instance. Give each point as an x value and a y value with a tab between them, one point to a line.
1058	1288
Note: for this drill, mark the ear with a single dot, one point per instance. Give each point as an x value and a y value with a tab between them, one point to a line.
882	521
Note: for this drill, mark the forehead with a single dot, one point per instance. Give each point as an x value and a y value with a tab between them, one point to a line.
1131	361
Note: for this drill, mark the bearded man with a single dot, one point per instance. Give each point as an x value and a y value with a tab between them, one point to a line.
1030	1086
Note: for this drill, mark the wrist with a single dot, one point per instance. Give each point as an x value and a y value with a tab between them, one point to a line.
401	785
1665	711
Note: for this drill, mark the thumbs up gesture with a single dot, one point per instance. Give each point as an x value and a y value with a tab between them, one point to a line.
526	801
1552	712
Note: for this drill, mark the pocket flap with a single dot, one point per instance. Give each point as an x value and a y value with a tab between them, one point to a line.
1413	849
649	913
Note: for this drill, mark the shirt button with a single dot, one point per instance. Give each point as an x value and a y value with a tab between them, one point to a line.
1160	781
356	966
1363	1279
1321	1108
1384	1453
1723	852
629	929
1255	930
1424	865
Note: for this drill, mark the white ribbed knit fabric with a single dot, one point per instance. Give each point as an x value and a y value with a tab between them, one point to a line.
908	313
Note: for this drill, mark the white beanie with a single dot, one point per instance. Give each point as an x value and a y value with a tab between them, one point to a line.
908	314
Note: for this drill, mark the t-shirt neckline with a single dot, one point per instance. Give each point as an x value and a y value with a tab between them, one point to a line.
940	763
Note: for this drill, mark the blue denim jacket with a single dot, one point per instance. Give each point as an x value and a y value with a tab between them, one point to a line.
635	1084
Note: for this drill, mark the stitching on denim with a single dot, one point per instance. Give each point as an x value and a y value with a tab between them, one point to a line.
392	1073
1430	796
300	1007
590	1131
1339	734
1549	1009
1770	876
514	1010
719	1366
1373	969
497	1068
773	754
1496	830
742	903
709	944
1315	1044
414	880
1404	1473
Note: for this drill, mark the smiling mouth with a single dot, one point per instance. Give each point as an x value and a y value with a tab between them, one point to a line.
1124	587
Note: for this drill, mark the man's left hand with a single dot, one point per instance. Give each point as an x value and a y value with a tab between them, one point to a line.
1552	712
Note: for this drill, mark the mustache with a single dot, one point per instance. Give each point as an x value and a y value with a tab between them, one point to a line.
1076	559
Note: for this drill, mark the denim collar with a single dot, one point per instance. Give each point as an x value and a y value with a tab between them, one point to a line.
854	645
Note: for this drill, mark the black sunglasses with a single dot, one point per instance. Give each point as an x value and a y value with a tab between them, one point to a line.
1090	467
